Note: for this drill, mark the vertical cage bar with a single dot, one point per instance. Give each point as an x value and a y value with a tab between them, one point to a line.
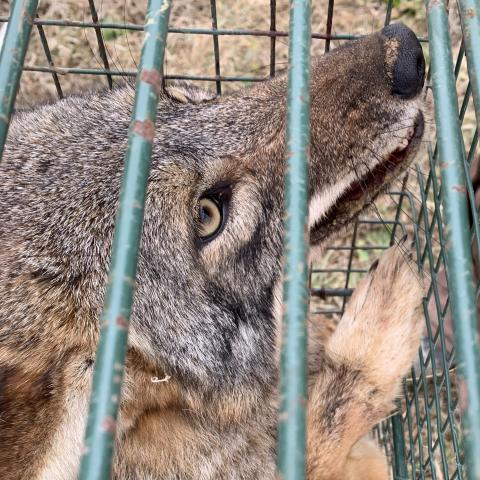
100	435
398	441
329	24
48	55
216	48
273	38
470	18
459	260
350	261
388	14
399	210
293	385
12	56
101	45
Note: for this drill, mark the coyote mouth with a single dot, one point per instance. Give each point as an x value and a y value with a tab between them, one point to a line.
359	194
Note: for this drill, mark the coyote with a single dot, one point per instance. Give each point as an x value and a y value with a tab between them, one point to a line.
207	303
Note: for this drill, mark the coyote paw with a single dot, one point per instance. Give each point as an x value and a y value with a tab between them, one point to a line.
381	328
364	361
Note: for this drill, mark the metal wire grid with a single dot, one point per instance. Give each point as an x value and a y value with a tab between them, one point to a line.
427	442
98	26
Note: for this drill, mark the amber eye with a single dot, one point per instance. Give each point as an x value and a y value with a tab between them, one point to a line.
210	218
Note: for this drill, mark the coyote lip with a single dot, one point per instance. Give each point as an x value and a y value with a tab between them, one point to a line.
362	192
378	175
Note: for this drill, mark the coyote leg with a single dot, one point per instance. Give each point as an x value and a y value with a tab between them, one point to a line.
361	368
366	461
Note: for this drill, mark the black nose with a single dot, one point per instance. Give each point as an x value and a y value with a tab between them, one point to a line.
409	67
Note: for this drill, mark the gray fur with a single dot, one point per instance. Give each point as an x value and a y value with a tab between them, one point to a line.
203	314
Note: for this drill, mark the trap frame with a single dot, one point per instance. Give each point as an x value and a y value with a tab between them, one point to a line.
435	432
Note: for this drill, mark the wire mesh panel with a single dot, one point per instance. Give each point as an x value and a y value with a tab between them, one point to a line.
98	44
425	439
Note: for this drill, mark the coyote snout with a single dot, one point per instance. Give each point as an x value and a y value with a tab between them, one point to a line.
367	123
205	313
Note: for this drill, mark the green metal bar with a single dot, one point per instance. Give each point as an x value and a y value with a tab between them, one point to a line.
133	73
458	252
216	47
350	261
411	441
291	460
359	247
470	17
388	13
273	39
427	418
100	435
324	292
12	57
399	210
331	6
48	55
398	440
101	44
194	31
339	270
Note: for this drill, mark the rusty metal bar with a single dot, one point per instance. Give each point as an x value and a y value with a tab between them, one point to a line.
101	45
194	31
291	458
12	56
111	352
458	248
216	48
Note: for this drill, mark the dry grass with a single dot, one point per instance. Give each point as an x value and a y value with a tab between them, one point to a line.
186	53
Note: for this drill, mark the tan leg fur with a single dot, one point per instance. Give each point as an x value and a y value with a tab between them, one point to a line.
363	363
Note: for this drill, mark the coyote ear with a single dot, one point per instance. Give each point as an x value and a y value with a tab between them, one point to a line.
185	93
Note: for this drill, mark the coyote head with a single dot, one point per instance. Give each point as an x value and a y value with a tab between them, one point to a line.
210	260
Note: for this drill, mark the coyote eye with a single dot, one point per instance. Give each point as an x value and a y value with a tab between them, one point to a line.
210	218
